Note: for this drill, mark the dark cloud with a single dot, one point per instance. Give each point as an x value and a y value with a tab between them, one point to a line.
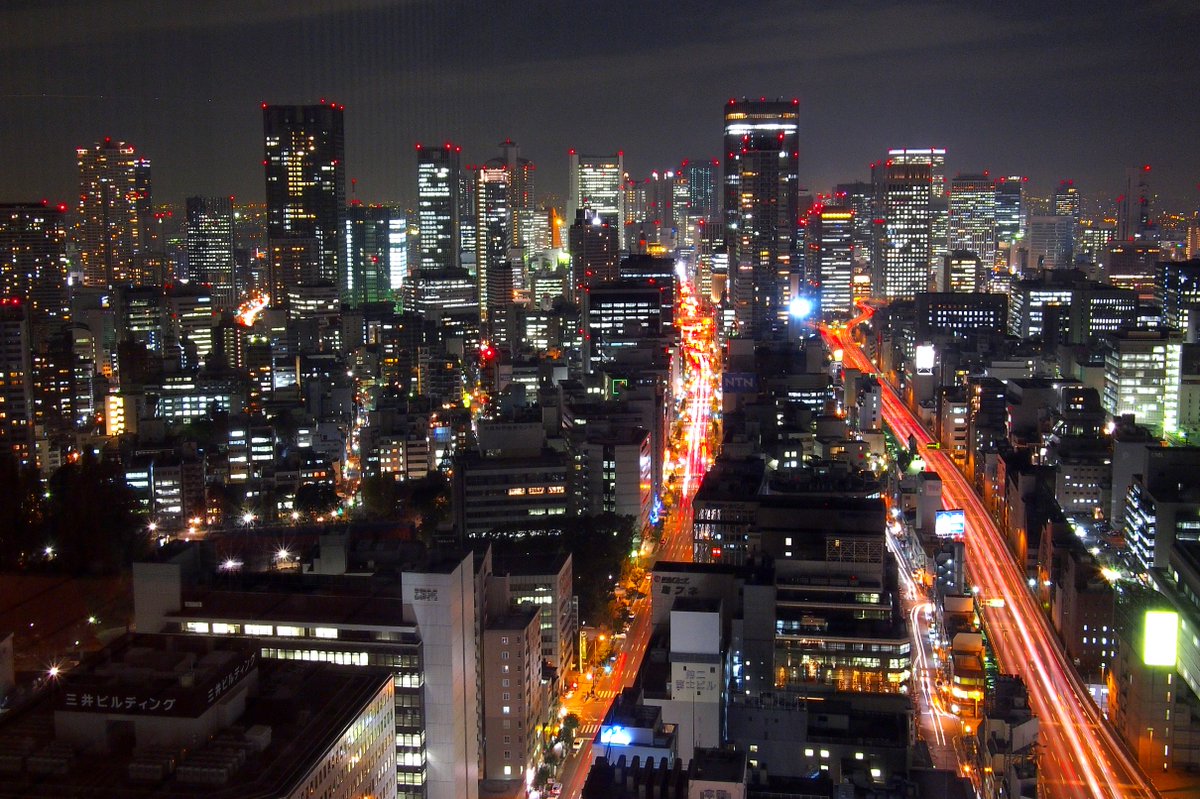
1042	89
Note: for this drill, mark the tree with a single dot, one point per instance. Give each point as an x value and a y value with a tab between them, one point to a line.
316	499
91	518
21	521
380	496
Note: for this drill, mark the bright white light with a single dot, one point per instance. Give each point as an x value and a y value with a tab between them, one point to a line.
247	518
616	735
282	554
800	307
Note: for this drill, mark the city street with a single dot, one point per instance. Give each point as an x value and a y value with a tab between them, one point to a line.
692	457
1081	755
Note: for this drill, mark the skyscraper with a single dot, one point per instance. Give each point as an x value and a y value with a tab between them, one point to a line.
939	221
108	233
1066	200
439	205
972	221
210	247
903	192
595	184
1010	210
702	198
830	258
304	164
33	263
493	225
762	154
376	254
1067	203
16	388
595	255
1050	242
522	200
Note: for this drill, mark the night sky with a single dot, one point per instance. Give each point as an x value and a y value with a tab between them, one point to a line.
1050	90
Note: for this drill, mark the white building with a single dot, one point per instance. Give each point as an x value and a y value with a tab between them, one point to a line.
422	628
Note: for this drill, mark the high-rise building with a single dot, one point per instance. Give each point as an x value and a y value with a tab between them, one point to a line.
1067	203
33	265
108	234
595	254
962	271
1010	215
935	157
521	192
376	254
1132	265
1141	377
1177	291
903	189
210	247
595	184
439	206
972	206
702	198
1051	242
493	235
1066	200
762	209
830	257
304	164
16	389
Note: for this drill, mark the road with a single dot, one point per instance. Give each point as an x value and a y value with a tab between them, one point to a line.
938	727
690	456
1081	755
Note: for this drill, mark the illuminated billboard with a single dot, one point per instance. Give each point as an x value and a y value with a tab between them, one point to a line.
925	358
1161	638
950	524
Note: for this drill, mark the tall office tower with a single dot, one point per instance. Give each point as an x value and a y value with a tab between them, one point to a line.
376	254
16	387
595	184
1067	203
761	206
210	248
962	272
939	217
595	255
439	206
522	186
107	232
1066	200
1094	240
972	205
1010	210
830	256
1133	213
1177	292
143	204
304	163
652	219
903	192
1050	240
493	224
703	202
33	263
859	198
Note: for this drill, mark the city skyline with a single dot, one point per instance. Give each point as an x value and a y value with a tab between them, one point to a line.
1008	87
